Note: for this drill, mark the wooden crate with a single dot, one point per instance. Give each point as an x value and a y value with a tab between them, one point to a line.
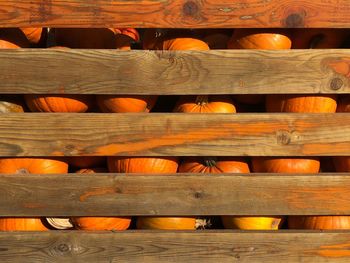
167	134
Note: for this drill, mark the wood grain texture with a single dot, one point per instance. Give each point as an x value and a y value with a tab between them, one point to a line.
181	246
175	13
174	134
167	73
177	194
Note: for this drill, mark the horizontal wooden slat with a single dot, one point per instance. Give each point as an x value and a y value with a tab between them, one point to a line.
166	73
175	13
202	246
174	134
180	194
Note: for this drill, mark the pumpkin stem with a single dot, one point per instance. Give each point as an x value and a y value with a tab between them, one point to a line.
316	40
22	171
210	161
202	100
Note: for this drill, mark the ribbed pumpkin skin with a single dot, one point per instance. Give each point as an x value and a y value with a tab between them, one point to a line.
259	39
205	104
213	165
123	104
301	103
184	44
319	222
318	38
11	104
87	161
32	166
251	222
102	223
166	223
142	164
33	34
21	224
285	165
60	103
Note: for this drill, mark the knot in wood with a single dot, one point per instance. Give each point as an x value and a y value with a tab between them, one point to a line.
63	248
190	8
198	195
336	83
283	137
294	20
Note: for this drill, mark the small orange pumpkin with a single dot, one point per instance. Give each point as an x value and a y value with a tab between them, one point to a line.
213	165
252	222
285	165
205	104
21	224
142	164
32	166
166	223
58	103
121	104
271	39
301	103
319	222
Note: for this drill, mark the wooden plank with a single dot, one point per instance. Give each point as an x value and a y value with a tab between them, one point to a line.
181	246
167	73
175	13
179	194
174	134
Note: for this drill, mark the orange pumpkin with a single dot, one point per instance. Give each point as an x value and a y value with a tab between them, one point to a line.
27	166
252	222
121	104
213	165
319	222
285	165
268	39
184	44
11	104
32	166
318	38
205	104
142	164
301	103
21	224
166	223
33	34
100	223
342	163
86	161
260	39
152	165
58	103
